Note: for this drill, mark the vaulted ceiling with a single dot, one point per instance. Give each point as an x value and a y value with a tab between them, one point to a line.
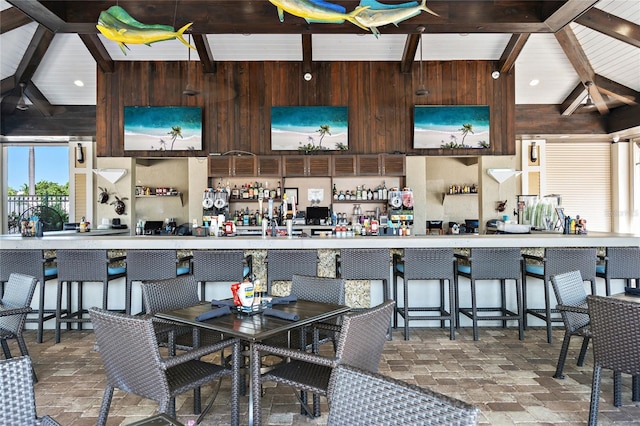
563	44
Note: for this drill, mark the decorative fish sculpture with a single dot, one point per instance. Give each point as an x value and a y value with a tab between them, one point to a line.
318	11
117	25
378	14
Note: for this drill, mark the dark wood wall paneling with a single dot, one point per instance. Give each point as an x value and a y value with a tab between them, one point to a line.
236	101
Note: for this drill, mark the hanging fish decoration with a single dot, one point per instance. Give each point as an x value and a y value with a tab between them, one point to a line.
318	11
379	14
117	25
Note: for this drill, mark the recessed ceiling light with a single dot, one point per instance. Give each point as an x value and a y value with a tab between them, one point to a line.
534	82
79	83
463	34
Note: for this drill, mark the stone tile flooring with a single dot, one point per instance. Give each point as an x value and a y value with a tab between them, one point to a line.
509	380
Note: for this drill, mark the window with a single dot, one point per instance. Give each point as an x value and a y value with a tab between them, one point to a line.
581	173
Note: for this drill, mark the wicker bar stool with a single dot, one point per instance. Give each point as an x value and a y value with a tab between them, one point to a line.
365	264
283	264
83	266
425	264
620	263
35	264
491	264
143	265
220	266
556	261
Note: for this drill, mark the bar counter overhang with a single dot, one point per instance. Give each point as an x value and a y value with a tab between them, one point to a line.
124	242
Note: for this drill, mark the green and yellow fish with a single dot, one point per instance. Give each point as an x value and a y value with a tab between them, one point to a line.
117	25
317	11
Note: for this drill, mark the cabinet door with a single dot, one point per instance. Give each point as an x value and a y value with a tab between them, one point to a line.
318	165
369	165
244	166
269	165
344	165
219	166
393	165
294	165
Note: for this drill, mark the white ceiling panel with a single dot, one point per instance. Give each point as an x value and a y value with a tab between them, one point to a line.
454	47
256	47
353	47
66	61
610	58
13	44
543	59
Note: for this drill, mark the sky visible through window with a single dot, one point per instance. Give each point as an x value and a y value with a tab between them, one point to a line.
52	164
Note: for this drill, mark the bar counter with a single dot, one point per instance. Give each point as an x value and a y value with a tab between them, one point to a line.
124	242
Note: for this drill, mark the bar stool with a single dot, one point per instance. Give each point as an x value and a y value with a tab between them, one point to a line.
143	265
425	264
220	266
35	264
556	261
283	264
83	266
365	264
491	264
620	263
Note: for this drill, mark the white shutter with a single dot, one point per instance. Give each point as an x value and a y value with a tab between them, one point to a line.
581	173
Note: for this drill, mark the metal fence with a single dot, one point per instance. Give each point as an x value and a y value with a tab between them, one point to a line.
21	205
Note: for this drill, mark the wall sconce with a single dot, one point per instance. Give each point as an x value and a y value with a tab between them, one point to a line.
495	75
79	154
308	76
533	153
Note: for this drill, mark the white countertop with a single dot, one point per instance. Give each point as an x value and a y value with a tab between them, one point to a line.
96	241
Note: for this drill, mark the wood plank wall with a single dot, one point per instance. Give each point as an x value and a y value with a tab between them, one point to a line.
236	101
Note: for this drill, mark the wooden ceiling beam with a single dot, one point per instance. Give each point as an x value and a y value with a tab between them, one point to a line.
7	84
409	52
511	52
260	17
40	102
617	91
39	13
574	100
13	18
38	46
567	13
307	53
581	64
98	51
611	25
207	61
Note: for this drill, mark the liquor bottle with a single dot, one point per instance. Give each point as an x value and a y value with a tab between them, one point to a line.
385	193
278	191
235	194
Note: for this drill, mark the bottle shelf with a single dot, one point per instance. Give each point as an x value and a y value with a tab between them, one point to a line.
360	201
462	194
179	194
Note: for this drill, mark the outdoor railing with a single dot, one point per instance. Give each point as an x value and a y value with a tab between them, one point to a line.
18	205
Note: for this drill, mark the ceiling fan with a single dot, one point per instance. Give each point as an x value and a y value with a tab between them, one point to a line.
188	90
422	91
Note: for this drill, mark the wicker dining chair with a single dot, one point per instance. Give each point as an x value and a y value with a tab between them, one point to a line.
175	293
132	362
620	263
220	266
35	263
362	398
360	344
572	304
616	345
14	307
17	396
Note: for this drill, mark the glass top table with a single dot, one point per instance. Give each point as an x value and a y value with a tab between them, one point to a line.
255	328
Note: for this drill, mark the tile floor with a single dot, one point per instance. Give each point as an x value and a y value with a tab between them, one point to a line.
509	380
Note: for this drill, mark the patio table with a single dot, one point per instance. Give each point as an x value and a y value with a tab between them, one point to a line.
255	328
